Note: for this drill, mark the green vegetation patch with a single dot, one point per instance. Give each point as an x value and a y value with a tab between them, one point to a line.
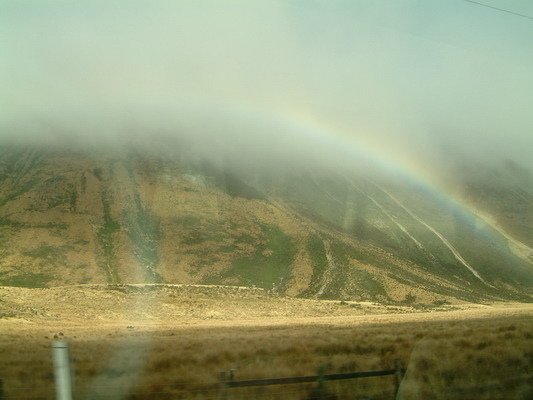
24	188
29	280
366	285
317	254
217	234
83	183
73	199
106	235
10	223
145	236
270	265
50	254
16	225
205	233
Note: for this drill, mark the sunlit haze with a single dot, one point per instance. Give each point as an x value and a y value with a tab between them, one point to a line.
408	80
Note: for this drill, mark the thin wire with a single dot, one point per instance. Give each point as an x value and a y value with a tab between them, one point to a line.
499	9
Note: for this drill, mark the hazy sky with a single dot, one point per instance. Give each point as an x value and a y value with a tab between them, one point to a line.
406	77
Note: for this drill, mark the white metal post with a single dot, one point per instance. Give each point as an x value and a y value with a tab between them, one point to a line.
62	370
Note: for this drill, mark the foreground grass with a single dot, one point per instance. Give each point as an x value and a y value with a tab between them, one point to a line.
454	359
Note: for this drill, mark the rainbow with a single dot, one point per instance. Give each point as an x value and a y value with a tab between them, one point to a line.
310	127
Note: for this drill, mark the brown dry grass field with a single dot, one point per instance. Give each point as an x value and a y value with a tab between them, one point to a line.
159	352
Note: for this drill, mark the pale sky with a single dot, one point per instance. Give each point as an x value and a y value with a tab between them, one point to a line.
415	76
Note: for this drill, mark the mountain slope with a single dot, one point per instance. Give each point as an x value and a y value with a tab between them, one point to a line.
94	216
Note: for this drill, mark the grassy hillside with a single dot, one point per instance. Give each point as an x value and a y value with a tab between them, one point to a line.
69	217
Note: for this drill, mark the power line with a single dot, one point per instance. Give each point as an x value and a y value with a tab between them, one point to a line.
499	9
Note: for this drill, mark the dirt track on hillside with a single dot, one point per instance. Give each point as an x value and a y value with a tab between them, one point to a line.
98	308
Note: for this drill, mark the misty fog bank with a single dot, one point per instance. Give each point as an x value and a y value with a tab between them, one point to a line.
408	83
